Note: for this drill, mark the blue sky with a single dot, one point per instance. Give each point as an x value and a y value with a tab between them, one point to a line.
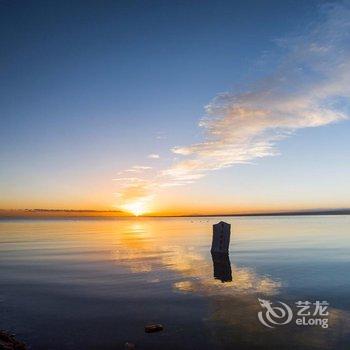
90	89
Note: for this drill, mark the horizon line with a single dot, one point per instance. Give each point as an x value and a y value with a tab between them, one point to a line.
335	211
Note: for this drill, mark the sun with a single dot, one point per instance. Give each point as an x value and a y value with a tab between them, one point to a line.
136	208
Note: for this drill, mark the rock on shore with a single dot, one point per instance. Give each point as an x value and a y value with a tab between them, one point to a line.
9	342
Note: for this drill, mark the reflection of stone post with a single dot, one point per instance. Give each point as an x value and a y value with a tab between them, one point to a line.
222	267
221	237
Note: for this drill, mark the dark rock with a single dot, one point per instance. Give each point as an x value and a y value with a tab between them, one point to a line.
9	342
129	346
153	328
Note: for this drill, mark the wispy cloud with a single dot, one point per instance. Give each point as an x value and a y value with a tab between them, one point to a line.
153	156
135	169
309	88
160	135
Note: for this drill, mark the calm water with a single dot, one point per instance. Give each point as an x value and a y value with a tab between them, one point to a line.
95	283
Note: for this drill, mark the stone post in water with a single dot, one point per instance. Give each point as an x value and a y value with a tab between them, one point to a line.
221	237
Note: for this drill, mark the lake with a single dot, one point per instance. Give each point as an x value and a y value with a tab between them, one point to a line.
95	283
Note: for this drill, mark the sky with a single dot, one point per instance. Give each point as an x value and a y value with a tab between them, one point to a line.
175	107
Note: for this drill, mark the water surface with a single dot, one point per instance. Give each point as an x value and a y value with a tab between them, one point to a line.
95	283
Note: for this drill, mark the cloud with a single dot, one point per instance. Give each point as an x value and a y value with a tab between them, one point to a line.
160	135
153	156
304	92
141	167
309	88
128	180
135	169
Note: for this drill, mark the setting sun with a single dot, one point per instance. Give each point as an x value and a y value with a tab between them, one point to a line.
136	208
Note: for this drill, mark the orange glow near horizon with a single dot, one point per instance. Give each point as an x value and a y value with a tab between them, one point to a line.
141	208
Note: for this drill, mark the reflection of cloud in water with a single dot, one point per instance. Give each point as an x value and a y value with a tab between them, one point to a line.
184	286
232	306
244	281
197	271
141	254
136	259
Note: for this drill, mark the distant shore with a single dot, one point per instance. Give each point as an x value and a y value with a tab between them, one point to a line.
280	213
54	213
